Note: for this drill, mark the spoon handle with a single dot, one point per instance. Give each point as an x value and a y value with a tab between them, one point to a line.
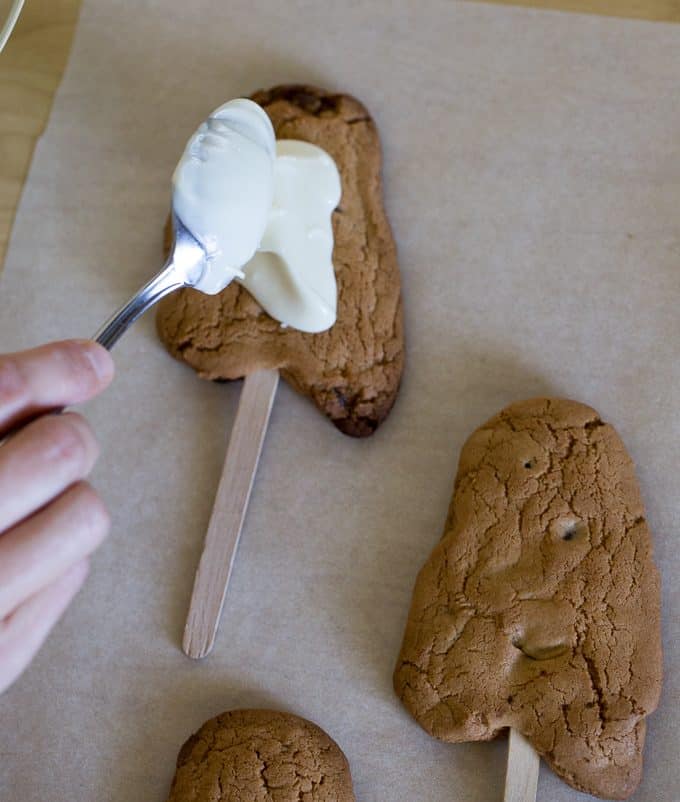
160	285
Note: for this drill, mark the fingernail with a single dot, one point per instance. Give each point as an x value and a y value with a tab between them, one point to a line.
101	361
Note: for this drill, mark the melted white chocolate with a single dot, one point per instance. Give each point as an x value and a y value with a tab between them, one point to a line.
292	274
223	188
262	209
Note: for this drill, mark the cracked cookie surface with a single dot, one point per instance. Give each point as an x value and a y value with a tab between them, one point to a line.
352	371
540	607
261	756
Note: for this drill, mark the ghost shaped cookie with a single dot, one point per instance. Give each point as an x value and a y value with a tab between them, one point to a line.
540	607
351	371
261	756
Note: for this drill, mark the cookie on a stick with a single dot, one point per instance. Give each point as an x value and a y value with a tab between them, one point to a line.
539	610
351	371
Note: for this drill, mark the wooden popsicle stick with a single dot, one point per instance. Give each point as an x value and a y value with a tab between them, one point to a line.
521	775
229	510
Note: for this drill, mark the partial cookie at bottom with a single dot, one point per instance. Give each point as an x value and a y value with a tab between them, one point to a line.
261	756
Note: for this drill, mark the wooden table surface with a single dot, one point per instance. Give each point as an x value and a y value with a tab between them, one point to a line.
33	62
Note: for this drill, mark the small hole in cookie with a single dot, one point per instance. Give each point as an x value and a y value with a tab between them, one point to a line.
572	530
569	529
529	464
511	699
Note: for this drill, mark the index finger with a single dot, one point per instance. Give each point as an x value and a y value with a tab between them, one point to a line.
49	377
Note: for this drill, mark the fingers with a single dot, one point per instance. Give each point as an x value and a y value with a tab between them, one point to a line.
43	554
24	631
49	377
41	461
37	551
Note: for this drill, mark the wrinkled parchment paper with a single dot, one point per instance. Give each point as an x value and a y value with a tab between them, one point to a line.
532	171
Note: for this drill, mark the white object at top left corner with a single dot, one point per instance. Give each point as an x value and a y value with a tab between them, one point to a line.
11	20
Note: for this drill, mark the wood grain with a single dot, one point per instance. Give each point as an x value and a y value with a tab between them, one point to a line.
521	776
656	10
229	510
31	66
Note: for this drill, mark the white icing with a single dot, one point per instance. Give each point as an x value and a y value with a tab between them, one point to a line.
292	274
223	188
262	209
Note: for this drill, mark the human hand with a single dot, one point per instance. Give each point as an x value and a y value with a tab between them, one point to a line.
50	519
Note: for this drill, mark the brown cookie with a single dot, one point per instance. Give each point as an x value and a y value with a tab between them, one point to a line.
352	371
539	608
261	756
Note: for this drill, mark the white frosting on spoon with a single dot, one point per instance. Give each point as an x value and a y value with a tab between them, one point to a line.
223	188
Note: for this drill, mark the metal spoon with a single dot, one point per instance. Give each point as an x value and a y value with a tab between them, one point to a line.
184	268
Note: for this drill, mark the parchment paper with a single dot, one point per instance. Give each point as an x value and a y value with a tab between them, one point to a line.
532	171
